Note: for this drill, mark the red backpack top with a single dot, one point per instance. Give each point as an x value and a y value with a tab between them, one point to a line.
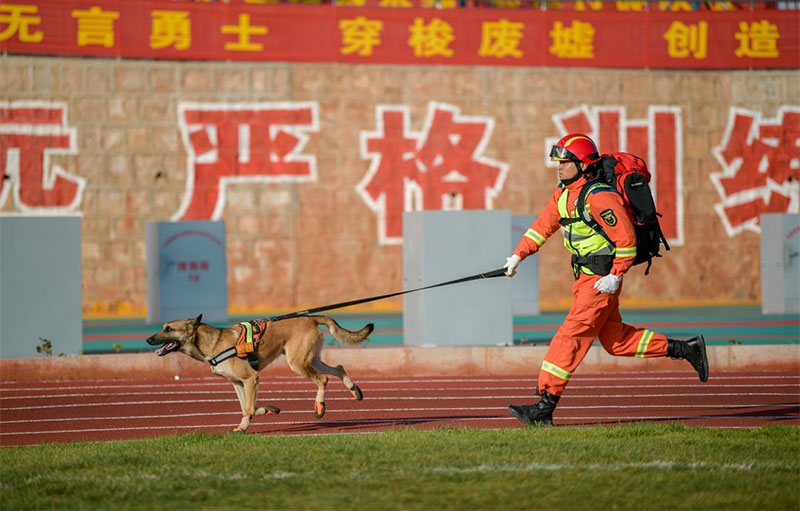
629	175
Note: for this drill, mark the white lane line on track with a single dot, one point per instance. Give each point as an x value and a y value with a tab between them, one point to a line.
395	410
311	390
402	398
397	421
297	380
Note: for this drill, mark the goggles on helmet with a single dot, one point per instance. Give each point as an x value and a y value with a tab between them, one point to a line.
558	153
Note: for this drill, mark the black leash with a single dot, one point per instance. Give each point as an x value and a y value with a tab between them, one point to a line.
494	273
231	352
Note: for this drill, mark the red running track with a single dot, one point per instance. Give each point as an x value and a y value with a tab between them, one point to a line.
36	413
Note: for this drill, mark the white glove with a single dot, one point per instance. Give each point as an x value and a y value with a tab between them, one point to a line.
608	284
511	265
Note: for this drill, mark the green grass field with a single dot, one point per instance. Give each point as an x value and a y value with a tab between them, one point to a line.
638	467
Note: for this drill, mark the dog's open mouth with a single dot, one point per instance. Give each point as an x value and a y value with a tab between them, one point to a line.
168	347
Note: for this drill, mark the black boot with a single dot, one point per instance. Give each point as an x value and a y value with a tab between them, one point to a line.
693	350
540	414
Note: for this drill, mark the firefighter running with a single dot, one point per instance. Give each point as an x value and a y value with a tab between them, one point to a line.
598	265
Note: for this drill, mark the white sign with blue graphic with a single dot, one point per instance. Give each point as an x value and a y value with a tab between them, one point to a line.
186	271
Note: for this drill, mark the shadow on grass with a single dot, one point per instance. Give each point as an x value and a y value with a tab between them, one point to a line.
349	425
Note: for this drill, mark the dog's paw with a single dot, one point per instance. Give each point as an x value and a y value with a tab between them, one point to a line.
357	393
319	409
268	410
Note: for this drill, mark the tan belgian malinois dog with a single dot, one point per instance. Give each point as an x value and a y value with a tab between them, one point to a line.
300	339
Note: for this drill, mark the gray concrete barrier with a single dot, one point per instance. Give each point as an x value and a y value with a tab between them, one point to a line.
40	285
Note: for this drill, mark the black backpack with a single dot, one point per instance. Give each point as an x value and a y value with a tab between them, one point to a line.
629	175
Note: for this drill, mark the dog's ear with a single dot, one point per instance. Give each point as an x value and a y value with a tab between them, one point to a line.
197	320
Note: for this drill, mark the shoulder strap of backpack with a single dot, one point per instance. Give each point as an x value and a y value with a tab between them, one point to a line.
581	206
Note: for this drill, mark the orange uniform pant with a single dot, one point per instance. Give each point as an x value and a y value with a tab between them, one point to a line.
593	315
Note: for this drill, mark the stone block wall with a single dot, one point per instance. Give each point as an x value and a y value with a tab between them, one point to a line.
294	245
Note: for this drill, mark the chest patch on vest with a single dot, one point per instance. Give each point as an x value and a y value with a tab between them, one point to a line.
608	217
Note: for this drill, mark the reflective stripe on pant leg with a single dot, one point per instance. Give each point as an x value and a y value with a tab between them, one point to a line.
644	342
556	371
624	340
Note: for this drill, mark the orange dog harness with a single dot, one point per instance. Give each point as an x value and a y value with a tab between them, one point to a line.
246	346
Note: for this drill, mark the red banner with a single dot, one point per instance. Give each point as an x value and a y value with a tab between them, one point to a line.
185	30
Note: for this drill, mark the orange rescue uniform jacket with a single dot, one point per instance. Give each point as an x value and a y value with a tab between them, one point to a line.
547	223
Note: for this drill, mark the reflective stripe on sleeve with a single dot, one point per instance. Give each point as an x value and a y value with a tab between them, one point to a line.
556	371
626	252
644	342
535	236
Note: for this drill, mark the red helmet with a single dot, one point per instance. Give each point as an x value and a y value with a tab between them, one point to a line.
575	147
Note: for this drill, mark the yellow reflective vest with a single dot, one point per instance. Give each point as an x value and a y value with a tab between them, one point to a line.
592	253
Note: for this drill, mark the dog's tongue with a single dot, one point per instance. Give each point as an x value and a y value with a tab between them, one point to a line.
166	348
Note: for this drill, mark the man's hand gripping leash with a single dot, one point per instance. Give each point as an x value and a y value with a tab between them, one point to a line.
511	265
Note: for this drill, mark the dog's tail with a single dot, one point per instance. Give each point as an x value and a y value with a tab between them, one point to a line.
342	334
